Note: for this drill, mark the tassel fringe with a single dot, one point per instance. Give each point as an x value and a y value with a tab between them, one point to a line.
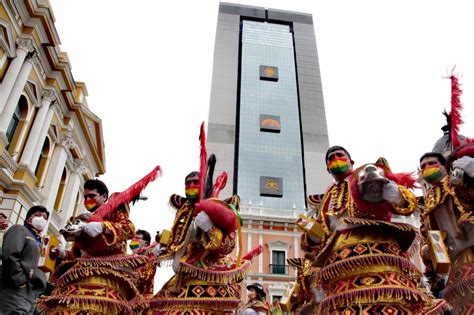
231	276
173	304
376	295
341	267
460	289
106	306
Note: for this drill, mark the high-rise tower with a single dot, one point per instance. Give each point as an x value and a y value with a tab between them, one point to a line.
267	127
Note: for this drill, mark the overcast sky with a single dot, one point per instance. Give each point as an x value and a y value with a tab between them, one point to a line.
148	65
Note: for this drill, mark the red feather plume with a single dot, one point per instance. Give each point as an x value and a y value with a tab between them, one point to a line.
124	197
203	162
456	107
405	179
253	253
220	183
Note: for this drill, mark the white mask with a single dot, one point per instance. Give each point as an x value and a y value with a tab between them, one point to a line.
39	223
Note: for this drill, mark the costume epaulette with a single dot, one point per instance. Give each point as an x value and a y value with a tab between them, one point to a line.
315	201
177	201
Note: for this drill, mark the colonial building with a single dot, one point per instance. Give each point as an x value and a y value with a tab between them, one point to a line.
50	141
267	127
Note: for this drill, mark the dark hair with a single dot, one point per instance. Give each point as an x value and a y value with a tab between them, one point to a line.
259	290
98	185
436	155
192	174
145	234
335	148
35	209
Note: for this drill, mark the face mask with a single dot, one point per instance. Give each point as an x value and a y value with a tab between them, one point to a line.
134	244
338	166
432	174
39	223
192	193
90	204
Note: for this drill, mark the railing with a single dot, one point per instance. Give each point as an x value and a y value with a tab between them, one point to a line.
262	211
278	269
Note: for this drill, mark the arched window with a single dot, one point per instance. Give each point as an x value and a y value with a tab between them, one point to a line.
42	163
16	123
60	193
77	204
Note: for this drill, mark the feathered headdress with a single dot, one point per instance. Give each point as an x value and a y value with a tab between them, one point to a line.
455	119
203	163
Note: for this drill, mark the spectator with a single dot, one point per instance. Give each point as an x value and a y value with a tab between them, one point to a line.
22	280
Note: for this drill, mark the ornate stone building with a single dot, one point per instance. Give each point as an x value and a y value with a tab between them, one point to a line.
50	141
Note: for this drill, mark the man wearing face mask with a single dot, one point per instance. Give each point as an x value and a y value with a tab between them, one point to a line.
356	240
449	205
22	280
108	237
140	242
98	260
140	245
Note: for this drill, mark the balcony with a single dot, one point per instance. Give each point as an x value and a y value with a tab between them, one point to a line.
278	269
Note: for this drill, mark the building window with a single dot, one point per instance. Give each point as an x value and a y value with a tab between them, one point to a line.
41	165
60	194
16	126
271	186
276	298
268	73
270	123
14	123
278	265
77	204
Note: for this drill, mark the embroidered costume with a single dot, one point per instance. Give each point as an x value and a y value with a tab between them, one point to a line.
203	235
365	257
449	209
97	276
449	205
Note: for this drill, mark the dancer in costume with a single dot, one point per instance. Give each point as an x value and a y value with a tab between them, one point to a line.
204	233
97	276
302	296
449	206
256	304
363	256
140	245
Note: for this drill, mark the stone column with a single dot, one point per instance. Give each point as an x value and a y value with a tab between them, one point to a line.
72	188
55	171
35	132
16	91
260	242
42	134
24	46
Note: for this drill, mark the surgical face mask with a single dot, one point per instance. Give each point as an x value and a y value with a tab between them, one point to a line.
39	223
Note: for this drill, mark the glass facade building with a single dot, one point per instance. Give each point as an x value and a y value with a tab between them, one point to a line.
269	161
267	124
